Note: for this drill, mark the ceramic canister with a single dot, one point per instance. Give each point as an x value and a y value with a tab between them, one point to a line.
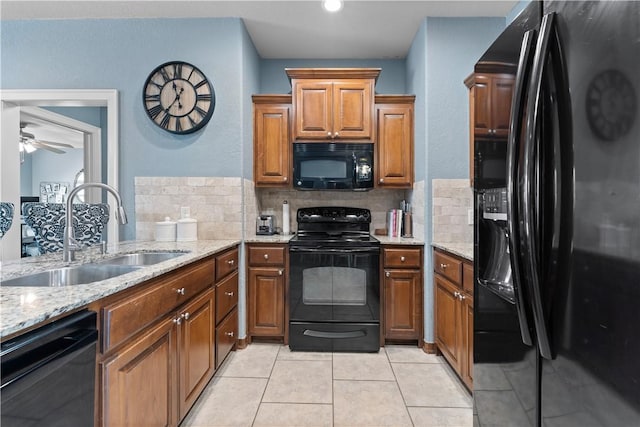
166	230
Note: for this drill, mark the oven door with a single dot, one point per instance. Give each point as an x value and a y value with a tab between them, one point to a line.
334	299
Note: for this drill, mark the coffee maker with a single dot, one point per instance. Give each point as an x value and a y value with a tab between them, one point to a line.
266	224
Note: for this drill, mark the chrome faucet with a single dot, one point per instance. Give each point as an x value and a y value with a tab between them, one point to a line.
69	243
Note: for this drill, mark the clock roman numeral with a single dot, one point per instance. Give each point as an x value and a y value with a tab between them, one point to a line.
165	121
203	97
178	125
154	111
164	74
200	111
191	121
177	70
154	97
200	83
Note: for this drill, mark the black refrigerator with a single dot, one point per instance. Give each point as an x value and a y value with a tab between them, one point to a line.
557	230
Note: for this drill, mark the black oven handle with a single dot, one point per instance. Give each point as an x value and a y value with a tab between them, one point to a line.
324	249
335	335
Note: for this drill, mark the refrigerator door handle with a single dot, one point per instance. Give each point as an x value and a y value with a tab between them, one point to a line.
515	134
530	227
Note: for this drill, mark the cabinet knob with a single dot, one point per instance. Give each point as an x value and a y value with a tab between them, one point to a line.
387	274
381	180
231	262
284	178
229	334
402	259
229	294
185	316
462	297
177	320
443	266
266	256
180	291
456	294
335	135
279	272
328	134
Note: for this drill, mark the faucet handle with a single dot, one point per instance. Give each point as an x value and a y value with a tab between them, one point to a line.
103	247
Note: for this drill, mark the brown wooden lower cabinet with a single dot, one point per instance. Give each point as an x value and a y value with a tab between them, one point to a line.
453	294
153	366
266	291
139	381
402	293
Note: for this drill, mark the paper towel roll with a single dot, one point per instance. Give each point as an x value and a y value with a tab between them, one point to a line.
285	218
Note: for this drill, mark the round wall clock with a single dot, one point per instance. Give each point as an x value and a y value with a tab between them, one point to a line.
178	97
611	105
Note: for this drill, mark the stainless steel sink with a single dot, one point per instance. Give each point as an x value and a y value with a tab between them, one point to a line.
141	258
66	276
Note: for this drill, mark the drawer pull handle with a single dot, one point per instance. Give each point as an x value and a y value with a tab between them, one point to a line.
229	294
443	266
180	291
229	334
387	274
402	259
266	256
231	262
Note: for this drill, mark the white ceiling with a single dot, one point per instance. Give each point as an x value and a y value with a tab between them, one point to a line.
285	29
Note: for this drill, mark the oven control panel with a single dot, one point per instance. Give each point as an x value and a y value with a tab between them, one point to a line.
334	213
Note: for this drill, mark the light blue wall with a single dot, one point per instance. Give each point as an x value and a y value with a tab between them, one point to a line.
120	54
251	67
442	55
275	80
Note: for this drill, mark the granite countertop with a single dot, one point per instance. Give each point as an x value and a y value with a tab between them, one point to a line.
464	250
386	240
275	238
25	306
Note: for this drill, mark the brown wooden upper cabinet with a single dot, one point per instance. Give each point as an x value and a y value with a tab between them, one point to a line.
492	104
333	104
394	141
271	136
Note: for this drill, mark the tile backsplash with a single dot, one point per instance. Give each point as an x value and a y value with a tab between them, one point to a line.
452	199
216	202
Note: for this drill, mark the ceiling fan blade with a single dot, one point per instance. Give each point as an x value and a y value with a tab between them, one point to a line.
46	147
59	144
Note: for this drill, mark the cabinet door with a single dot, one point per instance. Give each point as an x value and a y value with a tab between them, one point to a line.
313	110
467	345
447	317
266	301
197	344
394	145
352	110
482	124
226	333
402	304
140	381
271	145
501	93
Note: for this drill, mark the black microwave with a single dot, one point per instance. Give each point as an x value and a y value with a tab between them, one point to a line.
332	166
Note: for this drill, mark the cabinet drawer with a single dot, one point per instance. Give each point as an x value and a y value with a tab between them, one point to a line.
266	255
226	296
467	278
403	257
226	336
448	266
124	318
226	263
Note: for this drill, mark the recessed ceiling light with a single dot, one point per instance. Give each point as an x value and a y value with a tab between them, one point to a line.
332	5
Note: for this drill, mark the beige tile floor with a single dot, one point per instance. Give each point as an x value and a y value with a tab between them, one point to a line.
268	385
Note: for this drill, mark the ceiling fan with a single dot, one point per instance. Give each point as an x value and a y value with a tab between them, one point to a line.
29	143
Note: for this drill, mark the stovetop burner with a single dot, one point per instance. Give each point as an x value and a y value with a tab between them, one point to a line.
341	226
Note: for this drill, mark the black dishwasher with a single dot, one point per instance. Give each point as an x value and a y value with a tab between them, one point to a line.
48	374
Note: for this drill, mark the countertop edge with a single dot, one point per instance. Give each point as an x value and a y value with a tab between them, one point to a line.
463	250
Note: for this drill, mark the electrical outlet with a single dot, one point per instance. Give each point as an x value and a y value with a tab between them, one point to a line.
470	216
